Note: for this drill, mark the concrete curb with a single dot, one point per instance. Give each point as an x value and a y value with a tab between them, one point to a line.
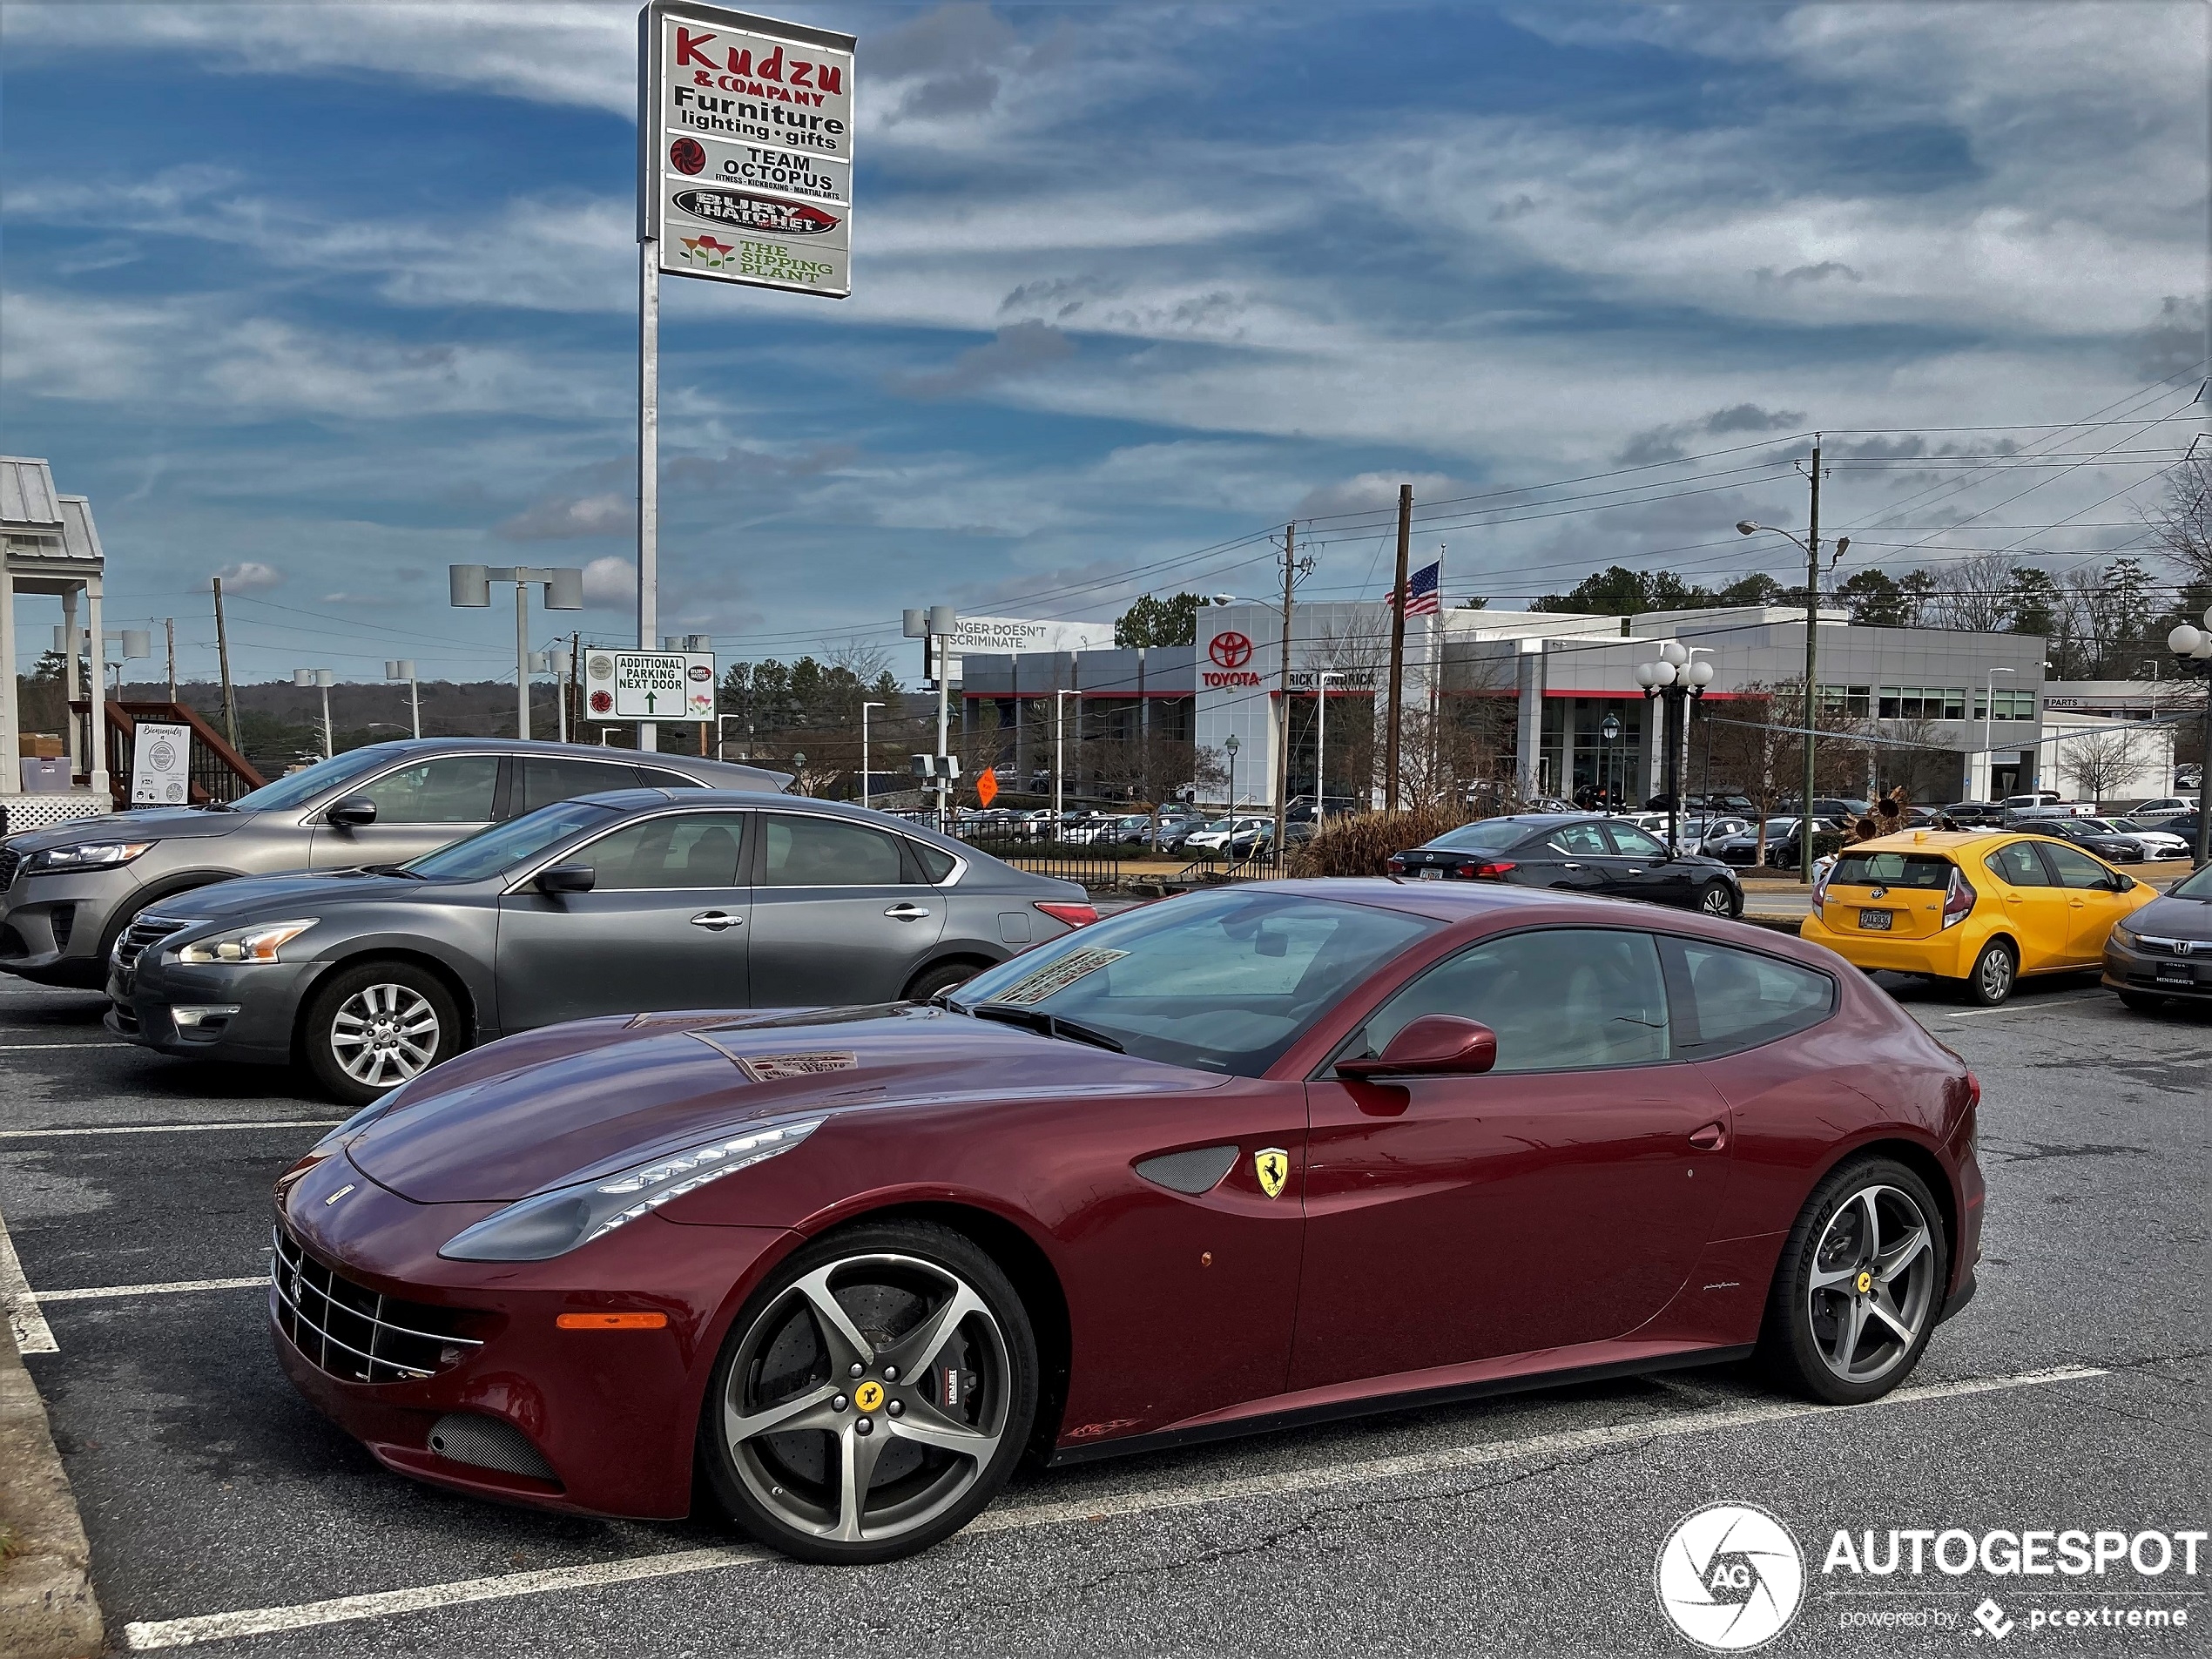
47	1608
1790	924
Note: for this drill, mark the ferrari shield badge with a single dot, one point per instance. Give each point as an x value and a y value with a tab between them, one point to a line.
1272	1165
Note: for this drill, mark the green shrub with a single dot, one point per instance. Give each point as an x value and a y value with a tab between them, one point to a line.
1359	843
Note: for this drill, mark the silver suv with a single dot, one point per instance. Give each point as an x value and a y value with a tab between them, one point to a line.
67	893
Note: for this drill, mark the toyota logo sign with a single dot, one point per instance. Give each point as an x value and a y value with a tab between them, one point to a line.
1231	651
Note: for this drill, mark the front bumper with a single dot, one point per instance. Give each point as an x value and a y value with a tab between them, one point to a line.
2159	973
612	1414
52	927
1946	955
266	995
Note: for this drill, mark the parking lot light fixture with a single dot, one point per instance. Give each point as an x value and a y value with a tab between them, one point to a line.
470	587
403	667
1229	746
865	707
2192	649
326	678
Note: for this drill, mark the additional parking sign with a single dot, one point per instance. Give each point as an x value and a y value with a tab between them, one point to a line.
744	169
650	685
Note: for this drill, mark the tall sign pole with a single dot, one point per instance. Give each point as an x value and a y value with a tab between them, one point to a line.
1812	665
744	175
1393	717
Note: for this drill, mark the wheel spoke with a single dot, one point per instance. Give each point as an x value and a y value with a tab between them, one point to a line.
1869	1243
843	1339
1849	1324
1902	1256
917	1351
1823	1280
806	1411
857	1455
926	1426
1884	1310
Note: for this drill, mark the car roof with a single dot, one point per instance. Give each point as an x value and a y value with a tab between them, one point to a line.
691	765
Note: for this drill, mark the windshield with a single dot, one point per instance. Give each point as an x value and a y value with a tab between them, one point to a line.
297	788
1217	982
1492	835
2198	886
504	846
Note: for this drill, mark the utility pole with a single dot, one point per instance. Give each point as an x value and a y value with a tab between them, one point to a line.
1812	661
1396	648
1293	569
223	658
169	627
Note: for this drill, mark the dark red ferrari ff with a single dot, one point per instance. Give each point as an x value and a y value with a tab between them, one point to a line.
1231	1162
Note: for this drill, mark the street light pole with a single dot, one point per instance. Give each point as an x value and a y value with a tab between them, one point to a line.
403	667
865	707
1229	746
2192	649
470	586
1809	546
1059	757
326	678
1321	678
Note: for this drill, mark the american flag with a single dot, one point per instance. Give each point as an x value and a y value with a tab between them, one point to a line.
1422	595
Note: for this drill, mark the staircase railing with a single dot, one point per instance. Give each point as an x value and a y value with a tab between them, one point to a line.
216	772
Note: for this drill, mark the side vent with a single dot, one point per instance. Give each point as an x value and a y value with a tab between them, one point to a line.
1192	1172
488	1443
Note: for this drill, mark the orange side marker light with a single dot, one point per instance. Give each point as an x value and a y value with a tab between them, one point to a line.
611	1321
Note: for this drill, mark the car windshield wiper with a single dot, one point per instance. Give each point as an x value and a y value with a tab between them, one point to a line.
1051	1024
386	869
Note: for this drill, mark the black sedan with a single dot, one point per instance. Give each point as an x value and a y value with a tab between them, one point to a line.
2092	834
1580	851
2164	950
637	901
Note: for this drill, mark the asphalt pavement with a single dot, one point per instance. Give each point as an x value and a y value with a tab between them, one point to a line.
2071	1394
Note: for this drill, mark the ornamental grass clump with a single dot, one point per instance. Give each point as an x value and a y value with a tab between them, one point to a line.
1359	843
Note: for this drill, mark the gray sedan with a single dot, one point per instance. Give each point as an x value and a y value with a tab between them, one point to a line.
633	902
67	893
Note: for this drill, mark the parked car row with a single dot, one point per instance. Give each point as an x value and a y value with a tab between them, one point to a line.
1578	853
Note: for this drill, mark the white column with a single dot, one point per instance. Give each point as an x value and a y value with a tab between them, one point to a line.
10	726
72	735
97	733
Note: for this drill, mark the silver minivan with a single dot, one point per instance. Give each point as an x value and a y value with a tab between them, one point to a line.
67	893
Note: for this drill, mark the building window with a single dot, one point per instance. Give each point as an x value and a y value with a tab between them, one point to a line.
1922	703
2011	705
1847	701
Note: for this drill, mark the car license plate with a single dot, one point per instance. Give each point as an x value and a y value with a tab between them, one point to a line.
2177	972
1430	873
1875	921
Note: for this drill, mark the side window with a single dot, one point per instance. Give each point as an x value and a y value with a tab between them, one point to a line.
1633	842
1559	999
1581	841
2076	868
546	778
453	789
811	852
1743	999
654	778
680	850
2017	863
936	863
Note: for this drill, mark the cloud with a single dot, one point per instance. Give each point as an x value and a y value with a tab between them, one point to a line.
249	576
570	520
1819	272
1669	443
2176	343
1015	350
611	582
1373	492
739	462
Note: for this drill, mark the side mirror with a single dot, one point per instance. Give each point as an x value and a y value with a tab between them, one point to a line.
566	878
2122	883
352	812
1436	1045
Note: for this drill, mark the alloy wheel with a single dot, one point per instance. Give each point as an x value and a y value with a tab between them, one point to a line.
1872	1287
1716	903
868	1398
385	1035
1993	973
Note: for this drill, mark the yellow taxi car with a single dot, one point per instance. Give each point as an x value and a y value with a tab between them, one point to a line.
1977	907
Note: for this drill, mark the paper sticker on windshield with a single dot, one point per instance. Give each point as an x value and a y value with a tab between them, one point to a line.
1059	975
774	1068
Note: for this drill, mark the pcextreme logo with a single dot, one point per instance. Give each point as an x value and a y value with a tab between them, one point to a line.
1730	1577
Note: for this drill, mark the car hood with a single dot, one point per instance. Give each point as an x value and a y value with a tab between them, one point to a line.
574	1102
2173	919
152	823
273	898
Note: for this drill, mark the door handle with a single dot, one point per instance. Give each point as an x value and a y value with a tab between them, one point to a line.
903	912
2076	904
1570	867
1711	1138
716	920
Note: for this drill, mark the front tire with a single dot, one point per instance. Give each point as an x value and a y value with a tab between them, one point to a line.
370	1028
873	1397
1860	1286
1718	901
1996	971
2141	1002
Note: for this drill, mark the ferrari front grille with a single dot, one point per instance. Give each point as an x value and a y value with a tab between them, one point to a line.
355	1333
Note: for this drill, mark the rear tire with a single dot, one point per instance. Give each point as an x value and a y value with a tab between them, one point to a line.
796	1404
370	1028
2141	1002
944	977
1873	1233
1996	971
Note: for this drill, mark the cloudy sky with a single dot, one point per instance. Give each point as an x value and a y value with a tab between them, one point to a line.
331	296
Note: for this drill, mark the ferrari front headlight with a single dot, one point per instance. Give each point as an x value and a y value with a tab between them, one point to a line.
259	943
551	1223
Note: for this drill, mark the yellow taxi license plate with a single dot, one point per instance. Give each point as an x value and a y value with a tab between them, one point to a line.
1875	921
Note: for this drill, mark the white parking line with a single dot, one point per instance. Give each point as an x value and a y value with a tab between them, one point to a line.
34	1047
32	1333
2028	1007
145	1635
110	1292
168	1129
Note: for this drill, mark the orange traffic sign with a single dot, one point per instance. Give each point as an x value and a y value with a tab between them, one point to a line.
986	786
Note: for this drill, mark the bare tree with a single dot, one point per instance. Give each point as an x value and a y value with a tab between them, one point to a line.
1977	597
2182	522
2102	763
